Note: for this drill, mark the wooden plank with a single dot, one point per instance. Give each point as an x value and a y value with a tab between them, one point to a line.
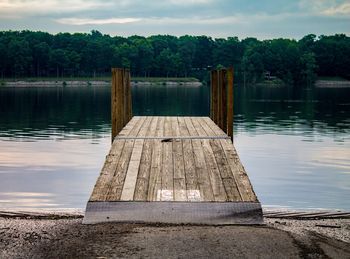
229	123
144	129
138	125
214	173
231	189
116	183
182	126
191	177
132	172
141	189
155	180
167	173
109	184
160	127
179	167
243	184
102	185
215	128
128	127
192	131
242	180
152	127
230	185
179	172
205	188
196	122
175	126
167	127
206	128
214	176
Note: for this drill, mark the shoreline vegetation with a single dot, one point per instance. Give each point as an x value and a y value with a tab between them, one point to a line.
97	81
330	82
256	62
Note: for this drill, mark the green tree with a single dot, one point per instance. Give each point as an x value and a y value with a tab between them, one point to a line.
308	68
58	61
41	56
19	57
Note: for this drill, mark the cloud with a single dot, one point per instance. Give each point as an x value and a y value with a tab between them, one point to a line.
189	2
343	9
194	20
32	7
153	20
325	7
87	21
222	18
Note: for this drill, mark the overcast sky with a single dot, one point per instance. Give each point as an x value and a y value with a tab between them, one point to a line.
217	18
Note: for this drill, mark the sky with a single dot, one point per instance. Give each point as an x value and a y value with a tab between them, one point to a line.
262	19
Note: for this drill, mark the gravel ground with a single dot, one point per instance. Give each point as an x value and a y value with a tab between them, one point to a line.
60	237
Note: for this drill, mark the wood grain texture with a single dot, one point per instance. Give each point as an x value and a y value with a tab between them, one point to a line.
215	179
242	180
116	185
114	104
205	187
214	96
155	180
225	172
141	188
147	165
221	99
105	178
129	185
189	163
121	107
229	122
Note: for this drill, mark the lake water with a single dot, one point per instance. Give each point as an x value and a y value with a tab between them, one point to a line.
294	144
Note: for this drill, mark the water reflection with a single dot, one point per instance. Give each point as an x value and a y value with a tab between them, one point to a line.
31	114
295	144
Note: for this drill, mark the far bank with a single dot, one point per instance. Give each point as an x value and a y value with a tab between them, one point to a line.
99	81
147	81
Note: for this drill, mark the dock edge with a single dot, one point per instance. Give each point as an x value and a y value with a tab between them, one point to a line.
208	213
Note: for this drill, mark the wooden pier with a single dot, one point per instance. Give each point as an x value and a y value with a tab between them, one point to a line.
173	169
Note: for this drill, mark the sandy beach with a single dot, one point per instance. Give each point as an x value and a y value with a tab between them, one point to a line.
63	235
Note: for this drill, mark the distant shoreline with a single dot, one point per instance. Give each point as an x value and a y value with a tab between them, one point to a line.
332	84
78	82
74	83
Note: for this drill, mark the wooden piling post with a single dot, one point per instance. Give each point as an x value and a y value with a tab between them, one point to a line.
221	99
121	107
229	116
214	96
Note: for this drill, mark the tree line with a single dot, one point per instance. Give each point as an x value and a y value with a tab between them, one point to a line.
40	54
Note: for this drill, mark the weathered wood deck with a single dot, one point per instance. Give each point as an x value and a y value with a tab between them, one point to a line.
174	170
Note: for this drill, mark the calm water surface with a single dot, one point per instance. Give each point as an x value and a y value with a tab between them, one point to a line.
294	144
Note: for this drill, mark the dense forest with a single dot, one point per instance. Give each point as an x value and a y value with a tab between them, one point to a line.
40	54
